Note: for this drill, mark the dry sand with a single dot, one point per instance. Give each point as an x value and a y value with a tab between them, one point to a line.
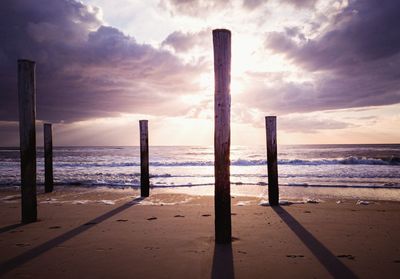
105	234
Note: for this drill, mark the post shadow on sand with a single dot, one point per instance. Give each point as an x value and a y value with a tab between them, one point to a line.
11	227
334	266
222	266
13	263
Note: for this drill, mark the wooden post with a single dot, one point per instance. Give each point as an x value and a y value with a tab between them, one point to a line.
222	141
27	135
48	158
272	154
144	158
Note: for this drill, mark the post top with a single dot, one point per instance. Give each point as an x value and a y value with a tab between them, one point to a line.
270	116
221	31
46	124
25	61
143	120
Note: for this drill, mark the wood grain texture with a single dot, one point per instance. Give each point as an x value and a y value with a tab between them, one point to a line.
272	158
27	133
144	159
222	107
48	158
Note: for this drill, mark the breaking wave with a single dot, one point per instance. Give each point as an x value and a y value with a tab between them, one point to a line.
244	162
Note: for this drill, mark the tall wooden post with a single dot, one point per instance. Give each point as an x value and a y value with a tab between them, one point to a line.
144	158
27	135
222	141
272	158
48	158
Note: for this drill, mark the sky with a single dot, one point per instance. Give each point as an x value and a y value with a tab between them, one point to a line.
328	69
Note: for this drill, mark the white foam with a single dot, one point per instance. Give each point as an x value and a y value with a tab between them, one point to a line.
360	202
242	203
313	200
161	203
10	198
51	201
108	202
81	202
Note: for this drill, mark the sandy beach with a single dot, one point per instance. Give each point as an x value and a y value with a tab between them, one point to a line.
85	233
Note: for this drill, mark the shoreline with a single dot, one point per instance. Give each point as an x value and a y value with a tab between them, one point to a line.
297	192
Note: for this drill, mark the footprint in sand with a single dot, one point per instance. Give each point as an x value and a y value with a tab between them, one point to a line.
151	218
206	215
179	216
350	257
122	220
22	244
295	256
54	227
151	248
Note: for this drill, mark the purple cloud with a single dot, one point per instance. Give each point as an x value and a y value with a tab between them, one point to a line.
183	42
85	69
355	63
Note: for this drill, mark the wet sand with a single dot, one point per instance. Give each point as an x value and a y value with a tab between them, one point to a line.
113	234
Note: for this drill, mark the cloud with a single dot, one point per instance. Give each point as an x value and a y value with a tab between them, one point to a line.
85	69
9	133
309	124
354	63
363	32
194	7
253	4
202	7
185	41
301	3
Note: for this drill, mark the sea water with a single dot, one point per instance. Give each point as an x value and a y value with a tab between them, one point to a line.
299	166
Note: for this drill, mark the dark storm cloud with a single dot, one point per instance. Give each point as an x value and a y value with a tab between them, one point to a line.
85	69
365	31
356	63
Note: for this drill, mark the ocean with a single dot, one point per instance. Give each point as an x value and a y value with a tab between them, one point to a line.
300	167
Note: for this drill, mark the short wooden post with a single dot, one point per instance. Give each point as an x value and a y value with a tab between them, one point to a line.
272	154
222	141
144	158
48	158
27	135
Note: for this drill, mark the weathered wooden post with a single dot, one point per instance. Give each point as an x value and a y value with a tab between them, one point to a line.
272	154
144	158
27	135
48	158
222	141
